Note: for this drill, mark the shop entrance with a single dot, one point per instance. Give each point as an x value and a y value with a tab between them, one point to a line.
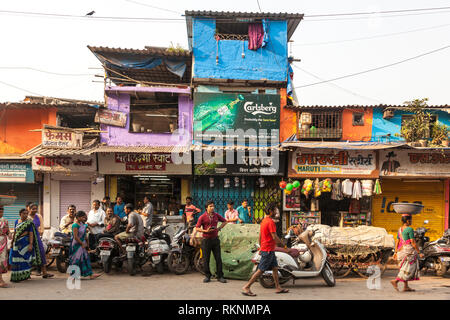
164	191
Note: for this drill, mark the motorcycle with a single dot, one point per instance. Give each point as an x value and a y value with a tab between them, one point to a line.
158	247
59	250
305	259
136	253
182	254
436	253
108	251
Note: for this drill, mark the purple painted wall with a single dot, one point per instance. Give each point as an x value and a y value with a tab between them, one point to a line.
119	100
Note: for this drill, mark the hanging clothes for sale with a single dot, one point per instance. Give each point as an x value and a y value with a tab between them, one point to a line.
347	188
367	187
357	193
336	192
354	207
255	36
377	188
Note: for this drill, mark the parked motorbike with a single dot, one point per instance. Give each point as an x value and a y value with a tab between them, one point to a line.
436	253
305	259
109	253
182	254
136	253
158	247
59	249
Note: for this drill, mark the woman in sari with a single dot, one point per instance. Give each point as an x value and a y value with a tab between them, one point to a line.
24	248
37	220
406	253
4	235
78	248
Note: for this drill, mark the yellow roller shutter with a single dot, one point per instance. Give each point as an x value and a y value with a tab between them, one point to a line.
430	194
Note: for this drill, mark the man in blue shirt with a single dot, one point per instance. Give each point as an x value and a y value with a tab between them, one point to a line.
119	208
245	214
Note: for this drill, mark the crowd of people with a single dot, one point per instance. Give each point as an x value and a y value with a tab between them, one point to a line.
27	249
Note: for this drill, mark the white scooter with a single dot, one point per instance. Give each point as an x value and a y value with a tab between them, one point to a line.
302	260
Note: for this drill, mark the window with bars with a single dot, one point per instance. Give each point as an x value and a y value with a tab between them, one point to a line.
322	125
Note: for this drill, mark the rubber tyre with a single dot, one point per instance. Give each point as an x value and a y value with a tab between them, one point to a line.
61	264
131	266
174	266
106	264
327	275
441	269
267	281
199	263
160	268
49	259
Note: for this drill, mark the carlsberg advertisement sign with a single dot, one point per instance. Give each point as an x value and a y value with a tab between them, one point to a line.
236	116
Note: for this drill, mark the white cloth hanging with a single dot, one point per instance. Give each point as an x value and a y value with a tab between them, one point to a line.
347	188
357	193
367	187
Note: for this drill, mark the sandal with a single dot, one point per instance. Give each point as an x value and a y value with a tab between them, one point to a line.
408	290
282	291
395	285
249	294
48	275
4	285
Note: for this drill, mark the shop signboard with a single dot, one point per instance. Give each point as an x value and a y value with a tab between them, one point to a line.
332	163
215	113
64	163
61	138
110	117
137	163
244	163
16	172
415	163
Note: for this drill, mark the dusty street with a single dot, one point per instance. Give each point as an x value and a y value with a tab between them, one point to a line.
190	286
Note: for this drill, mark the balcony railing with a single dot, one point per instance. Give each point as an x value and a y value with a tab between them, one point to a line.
324	125
320	133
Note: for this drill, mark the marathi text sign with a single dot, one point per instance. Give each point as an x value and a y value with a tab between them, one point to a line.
61	139
146	161
65	163
244	163
16	172
310	162
415	163
110	117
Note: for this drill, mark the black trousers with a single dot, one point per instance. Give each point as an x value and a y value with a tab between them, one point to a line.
213	245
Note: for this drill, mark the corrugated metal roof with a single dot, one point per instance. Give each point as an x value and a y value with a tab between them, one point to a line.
149	50
141	149
89	147
207	147
345	145
293	19
384	106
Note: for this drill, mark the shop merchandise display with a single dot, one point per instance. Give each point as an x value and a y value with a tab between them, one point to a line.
347	188
367	187
357	193
336	193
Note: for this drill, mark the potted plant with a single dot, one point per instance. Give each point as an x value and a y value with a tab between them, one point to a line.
439	134
416	130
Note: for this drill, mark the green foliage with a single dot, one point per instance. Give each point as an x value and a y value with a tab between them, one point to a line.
176	49
418	127
439	133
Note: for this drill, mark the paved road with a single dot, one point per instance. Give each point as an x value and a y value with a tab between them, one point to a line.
190	286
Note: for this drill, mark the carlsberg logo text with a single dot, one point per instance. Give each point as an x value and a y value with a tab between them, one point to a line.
255	109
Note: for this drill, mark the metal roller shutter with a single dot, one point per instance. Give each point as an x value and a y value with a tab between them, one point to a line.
430	194
24	193
74	192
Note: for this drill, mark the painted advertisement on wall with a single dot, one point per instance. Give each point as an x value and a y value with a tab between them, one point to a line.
137	163
219	112
414	162
332	163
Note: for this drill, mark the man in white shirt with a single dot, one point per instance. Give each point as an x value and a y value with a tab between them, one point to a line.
96	222
147	211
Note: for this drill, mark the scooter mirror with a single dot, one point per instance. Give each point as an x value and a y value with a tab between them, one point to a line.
426	222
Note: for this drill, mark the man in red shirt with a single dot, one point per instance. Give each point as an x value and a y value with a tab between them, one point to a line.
207	223
267	238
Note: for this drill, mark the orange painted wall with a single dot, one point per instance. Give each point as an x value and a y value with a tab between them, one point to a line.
15	124
288	119
357	133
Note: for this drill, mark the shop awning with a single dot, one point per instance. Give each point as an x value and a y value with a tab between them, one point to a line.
344	145
89	147
142	149
234	147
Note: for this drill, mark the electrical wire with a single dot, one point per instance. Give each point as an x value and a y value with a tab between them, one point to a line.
375	69
154	7
259	6
48	72
22	89
371	37
337	86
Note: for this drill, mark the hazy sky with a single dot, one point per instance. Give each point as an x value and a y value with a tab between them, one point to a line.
58	45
